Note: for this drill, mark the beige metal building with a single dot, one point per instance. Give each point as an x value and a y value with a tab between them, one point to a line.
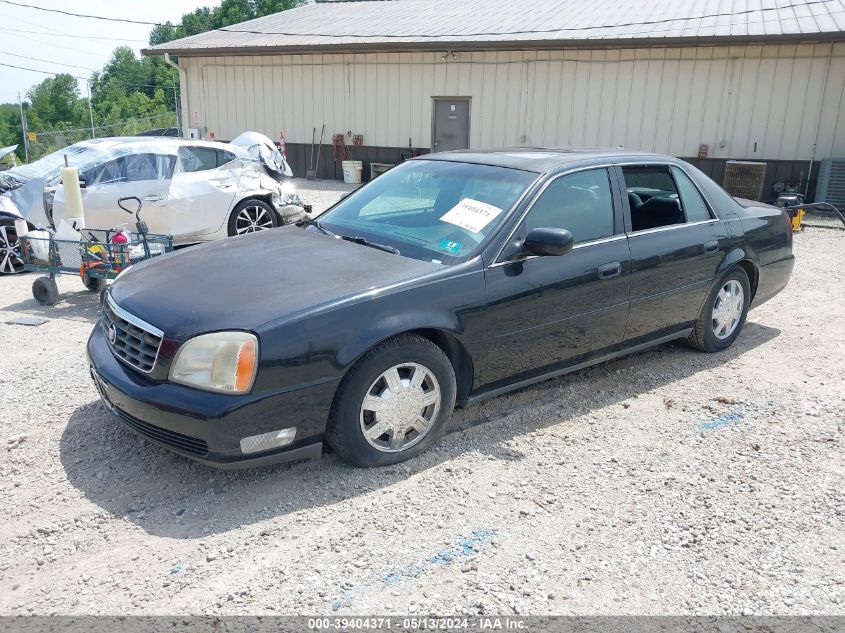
705	81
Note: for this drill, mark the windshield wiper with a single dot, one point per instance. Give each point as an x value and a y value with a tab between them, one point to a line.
365	242
320	227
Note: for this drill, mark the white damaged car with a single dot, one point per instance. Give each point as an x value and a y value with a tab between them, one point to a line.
194	190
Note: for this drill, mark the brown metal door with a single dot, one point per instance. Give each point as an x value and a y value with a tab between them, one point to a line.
450	124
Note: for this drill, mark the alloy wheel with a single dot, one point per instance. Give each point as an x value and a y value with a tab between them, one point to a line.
400	407
10	251
727	309
251	219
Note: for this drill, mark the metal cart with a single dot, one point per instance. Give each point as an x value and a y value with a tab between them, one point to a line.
95	258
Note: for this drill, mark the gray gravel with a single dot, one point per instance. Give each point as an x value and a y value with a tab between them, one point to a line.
321	194
671	482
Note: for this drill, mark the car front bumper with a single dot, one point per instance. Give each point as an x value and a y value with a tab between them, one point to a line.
290	213
204	426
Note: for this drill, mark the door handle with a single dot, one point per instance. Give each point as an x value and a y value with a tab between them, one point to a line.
609	271
711	247
153	198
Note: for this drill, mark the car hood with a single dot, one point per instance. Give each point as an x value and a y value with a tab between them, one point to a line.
245	282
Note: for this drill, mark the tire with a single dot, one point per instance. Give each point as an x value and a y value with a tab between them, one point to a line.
420	411
45	291
10	249
94	284
714	331
251	216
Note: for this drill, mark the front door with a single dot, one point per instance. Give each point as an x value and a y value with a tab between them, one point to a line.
544	312
145	176
202	192
450	124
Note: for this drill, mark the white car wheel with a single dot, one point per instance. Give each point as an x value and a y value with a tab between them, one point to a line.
251	216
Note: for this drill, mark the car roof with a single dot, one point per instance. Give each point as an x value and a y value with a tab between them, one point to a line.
543	159
155	144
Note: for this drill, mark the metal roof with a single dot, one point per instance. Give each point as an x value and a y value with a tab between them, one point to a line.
435	24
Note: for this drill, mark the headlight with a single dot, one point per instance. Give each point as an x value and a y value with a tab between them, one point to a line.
287	195
222	361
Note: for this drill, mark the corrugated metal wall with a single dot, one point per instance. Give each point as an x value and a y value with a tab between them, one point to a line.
752	102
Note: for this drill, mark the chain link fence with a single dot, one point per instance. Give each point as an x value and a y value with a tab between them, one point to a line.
43	143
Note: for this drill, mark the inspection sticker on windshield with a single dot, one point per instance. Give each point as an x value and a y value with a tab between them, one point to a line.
471	215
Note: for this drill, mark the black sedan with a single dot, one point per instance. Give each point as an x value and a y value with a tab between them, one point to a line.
449	279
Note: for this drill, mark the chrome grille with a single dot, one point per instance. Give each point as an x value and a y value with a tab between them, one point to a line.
132	340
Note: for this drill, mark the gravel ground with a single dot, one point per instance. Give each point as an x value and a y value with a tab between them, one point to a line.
321	194
671	482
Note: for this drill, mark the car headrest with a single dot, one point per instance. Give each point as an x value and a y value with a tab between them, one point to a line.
656	212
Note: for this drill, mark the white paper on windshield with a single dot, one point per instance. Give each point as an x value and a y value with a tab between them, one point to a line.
472	215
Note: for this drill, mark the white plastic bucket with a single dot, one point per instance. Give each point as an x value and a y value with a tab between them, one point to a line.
352	171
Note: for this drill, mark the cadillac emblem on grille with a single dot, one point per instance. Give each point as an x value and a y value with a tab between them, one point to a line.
132	340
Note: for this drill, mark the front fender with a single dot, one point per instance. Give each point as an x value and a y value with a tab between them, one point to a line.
325	344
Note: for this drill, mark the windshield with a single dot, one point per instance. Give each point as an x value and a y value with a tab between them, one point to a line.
432	210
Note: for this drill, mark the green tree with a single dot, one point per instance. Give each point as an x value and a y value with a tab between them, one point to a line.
228	13
55	103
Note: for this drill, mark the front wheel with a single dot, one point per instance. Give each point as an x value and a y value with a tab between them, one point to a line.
393	404
45	291
723	315
251	216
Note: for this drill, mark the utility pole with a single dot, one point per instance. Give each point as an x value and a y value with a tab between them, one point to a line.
90	108
23	128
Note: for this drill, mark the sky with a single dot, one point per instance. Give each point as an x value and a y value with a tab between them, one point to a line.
92	44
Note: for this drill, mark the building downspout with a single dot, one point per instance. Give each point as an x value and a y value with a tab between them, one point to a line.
818	121
183	90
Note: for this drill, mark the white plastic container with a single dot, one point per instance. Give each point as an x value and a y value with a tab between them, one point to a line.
352	171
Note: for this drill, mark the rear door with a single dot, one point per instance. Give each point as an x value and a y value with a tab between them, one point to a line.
677	244
544	312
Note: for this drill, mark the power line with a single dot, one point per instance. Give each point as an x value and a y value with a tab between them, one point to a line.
47	61
81	37
574	29
78	15
43	72
82	51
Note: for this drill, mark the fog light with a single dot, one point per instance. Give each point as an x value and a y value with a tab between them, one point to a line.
266	441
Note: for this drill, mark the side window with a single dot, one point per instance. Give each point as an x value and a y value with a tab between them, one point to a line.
140	167
580	203
224	157
693	204
131	168
197	158
652	196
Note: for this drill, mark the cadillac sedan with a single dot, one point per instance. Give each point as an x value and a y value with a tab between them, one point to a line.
451	278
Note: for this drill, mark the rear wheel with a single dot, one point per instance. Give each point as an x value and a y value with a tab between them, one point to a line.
723	315
94	284
393	404
251	216
10	248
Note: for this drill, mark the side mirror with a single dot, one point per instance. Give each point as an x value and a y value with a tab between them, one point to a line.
82	184
543	242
